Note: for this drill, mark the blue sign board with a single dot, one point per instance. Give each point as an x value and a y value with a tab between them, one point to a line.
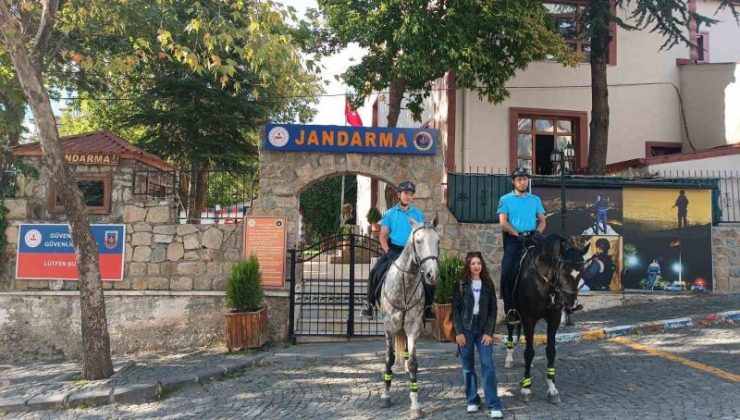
338	139
46	251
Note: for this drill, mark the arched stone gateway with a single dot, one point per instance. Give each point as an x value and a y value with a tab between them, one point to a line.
285	175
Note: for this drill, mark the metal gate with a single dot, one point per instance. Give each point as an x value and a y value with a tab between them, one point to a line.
329	281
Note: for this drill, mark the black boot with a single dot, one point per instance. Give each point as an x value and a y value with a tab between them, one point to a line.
428	313
367	311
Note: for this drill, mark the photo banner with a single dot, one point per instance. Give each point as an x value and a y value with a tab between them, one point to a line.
340	139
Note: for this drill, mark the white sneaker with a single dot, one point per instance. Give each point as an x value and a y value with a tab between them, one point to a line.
497	414
472	408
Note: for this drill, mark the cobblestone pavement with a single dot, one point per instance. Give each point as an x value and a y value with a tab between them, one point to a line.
597	380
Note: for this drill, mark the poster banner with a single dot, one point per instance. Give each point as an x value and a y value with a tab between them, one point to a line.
668	239
266	238
46	252
651	238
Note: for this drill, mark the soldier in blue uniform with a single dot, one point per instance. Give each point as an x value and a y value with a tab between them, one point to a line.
395	228
522	220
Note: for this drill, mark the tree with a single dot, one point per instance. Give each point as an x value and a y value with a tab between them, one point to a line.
320	204
195	113
410	44
29	68
669	18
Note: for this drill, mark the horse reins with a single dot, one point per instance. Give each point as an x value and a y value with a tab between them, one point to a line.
554	286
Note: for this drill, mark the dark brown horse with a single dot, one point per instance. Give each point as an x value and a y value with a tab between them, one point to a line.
546	284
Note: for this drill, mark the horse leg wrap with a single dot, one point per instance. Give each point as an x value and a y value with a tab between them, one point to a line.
414	387
526	382
551	373
405	355
387	377
510	345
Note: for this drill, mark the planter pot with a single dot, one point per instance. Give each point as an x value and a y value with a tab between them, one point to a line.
246	330
441	311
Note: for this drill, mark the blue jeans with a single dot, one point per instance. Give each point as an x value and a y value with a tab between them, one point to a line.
467	355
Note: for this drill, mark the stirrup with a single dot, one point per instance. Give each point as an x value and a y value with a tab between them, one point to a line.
513	317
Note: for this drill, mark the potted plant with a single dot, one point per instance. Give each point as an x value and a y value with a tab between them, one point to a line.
373	217
246	324
450	271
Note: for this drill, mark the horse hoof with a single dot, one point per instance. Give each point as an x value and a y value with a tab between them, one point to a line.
526	396
385	402
415	413
554	398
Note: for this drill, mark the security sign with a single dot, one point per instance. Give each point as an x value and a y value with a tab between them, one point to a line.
46	252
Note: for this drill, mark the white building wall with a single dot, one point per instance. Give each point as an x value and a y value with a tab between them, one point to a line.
724	36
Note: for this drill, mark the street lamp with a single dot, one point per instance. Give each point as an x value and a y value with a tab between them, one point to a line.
562	163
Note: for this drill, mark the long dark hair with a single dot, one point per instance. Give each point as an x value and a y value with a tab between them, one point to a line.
484	276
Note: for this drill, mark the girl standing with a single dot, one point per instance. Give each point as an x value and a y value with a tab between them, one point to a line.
474	315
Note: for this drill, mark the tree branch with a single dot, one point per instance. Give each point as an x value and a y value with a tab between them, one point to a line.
43	35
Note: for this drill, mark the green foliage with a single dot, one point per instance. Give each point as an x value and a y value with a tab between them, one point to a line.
450	273
410	44
244	289
373	215
322	208
8	186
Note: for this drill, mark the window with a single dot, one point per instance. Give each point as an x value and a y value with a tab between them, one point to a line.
535	133
702	46
568	18
658	148
96	190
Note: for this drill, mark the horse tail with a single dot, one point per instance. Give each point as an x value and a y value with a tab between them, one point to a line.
518	332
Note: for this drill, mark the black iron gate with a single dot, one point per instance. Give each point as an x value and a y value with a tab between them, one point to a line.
329	281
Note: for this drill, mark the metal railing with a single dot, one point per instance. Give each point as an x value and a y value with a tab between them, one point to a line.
473	197
213	195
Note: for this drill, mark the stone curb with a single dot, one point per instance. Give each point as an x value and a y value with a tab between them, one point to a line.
124	394
634	329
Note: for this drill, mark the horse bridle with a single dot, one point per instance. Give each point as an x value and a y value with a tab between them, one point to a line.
555	289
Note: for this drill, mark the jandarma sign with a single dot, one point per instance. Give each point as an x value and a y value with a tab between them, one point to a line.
91	159
338	139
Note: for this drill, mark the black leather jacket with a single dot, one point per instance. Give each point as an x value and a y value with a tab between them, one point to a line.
462	308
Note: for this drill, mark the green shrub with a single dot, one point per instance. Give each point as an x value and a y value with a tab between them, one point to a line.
450	272
373	215
244	290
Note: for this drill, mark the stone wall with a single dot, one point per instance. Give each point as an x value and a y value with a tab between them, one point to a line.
32	195
726	255
47	324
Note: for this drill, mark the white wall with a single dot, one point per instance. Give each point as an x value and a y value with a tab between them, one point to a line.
711	94
363	201
724	35
643	99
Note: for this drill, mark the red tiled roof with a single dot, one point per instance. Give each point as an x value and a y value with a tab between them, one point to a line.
98	142
731	149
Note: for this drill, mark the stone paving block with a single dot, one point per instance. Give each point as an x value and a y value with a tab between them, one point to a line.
210	373
567	337
676	323
173	382
619	331
90	398
51	401
730	315
12	405
129	394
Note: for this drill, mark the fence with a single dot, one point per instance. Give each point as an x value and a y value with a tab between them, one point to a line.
220	195
473	197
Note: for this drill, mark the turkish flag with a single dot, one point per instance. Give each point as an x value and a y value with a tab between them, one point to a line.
353	118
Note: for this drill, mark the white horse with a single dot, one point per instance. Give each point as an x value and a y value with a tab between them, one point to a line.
402	302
